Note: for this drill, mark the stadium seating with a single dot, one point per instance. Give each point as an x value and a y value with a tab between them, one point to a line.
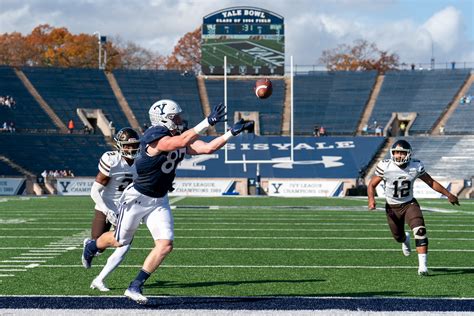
335	100
27	113
37	152
461	121
6	170
65	90
241	97
447	157
425	92
142	88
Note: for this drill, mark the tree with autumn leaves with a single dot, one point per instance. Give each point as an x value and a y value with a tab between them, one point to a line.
362	55
47	46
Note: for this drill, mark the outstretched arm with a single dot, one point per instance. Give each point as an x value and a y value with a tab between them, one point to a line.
435	185
200	147
374	182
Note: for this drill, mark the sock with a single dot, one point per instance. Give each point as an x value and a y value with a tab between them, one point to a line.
142	276
422	260
92	246
113	261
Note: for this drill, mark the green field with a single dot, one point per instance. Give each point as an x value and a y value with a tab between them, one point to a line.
242	247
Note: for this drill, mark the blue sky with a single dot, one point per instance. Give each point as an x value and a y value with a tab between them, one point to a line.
406	27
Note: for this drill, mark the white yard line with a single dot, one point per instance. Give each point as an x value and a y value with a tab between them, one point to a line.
264	266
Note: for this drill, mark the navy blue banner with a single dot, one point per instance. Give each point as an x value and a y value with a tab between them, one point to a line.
314	157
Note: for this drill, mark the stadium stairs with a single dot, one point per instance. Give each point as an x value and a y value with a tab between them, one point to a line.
285	125
32	185
453	105
122	101
384	149
206	106
44	105
371	103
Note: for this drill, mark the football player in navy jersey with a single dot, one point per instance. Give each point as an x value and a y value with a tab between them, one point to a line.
163	146
399	174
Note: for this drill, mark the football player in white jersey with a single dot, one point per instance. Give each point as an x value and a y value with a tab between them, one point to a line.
163	146
399	174
116	171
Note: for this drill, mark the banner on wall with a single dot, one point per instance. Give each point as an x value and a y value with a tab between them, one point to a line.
310	188
74	186
202	187
12	186
420	190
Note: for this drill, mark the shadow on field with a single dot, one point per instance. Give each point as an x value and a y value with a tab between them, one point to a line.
170	284
442	271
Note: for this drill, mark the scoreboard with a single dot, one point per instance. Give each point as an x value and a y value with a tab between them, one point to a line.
253	40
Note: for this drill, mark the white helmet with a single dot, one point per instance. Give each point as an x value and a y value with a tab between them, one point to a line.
166	113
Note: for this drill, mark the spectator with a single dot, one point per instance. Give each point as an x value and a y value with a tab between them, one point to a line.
322	131
11	127
316	131
5	126
365	129
378	130
44	174
70	126
403	127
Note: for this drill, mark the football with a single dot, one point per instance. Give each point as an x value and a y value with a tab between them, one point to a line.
263	88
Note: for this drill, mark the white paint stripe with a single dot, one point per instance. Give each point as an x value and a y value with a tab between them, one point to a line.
255	237
176	199
33	265
32	257
12	270
23	261
271	267
274	249
6	275
264	229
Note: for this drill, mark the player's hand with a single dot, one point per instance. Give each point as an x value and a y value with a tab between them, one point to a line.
372	205
112	217
241	126
453	199
217	115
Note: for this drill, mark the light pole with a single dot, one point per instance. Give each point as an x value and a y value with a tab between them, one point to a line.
432	60
100	48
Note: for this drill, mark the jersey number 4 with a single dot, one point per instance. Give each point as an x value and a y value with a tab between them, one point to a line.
401	189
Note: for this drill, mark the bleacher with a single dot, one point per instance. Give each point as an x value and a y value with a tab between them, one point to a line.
335	100
7	171
241	97
427	93
66	89
27	113
142	88
461	121
447	157
37	152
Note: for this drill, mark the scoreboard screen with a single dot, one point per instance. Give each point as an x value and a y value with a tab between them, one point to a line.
253	40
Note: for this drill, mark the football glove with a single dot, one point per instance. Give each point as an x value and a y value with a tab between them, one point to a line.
241	126
112	217
217	115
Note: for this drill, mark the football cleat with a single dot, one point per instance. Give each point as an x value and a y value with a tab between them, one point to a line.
87	254
100	285
423	271
406	249
134	292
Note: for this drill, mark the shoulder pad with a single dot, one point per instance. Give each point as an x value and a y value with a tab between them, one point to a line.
154	133
110	158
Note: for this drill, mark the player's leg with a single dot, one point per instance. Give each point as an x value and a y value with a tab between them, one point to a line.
112	263
131	214
415	220
395	220
161	225
99	225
